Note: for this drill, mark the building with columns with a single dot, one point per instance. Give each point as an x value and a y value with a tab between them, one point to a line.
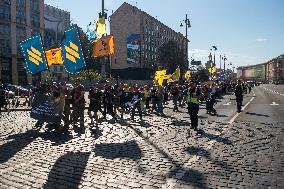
19	20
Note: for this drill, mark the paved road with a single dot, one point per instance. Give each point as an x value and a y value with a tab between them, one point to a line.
236	150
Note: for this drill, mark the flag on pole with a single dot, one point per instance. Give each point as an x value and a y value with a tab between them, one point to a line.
187	75
91	32
103	46
32	50
72	52
101	27
176	75
212	69
54	56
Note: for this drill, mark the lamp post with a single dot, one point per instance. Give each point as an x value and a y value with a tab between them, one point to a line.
103	63
187	25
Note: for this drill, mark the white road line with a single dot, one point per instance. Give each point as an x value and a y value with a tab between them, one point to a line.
181	172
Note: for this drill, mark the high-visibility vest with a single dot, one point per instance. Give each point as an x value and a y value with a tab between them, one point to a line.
192	98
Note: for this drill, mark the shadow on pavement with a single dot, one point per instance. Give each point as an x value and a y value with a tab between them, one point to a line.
220	115
261	115
19	142
193	178
215	137
129	149
67	171
56	138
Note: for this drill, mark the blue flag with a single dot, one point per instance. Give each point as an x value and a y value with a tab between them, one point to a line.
72	52
33	52
91	32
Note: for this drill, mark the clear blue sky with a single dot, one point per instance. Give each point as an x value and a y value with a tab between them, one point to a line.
247	31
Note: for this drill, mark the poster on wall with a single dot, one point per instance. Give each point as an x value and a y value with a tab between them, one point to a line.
133	48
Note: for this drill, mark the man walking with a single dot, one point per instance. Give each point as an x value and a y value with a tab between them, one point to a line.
239	95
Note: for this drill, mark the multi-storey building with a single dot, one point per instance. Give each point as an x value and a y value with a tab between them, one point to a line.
271	71
19	20
56	21
137	37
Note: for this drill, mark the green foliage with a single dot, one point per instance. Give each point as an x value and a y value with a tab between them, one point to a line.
202	74
91	74
171	56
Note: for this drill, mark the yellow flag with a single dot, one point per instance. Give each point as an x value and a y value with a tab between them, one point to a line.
212	70
176	74
160	76
187	75
54	56
101	27
103	46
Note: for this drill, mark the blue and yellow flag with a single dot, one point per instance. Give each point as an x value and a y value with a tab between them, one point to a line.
72	52
33	52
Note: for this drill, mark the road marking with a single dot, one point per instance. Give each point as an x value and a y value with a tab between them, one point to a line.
273	91
227	104
181	172
274	104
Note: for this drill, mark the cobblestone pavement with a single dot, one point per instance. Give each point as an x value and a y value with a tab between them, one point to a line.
162	152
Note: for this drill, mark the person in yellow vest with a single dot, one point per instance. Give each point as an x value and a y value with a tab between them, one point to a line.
193	96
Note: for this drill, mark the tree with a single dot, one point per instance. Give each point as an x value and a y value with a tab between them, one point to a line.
171	56
90	74
202	74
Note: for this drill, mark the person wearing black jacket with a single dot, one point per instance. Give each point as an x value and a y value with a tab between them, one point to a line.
239	95
136	97
108	102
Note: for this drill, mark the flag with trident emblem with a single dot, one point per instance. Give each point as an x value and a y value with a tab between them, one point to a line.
72	52
33	52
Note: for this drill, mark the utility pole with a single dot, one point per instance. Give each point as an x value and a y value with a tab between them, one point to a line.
103	63
225	66
187	25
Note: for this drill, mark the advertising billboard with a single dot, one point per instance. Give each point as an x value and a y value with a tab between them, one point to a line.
133	49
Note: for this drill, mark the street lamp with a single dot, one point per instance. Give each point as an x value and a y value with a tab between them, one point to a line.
187	25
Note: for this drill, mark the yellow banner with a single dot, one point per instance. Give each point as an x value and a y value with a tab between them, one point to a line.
212	70
54	56
103	46
101	27
187	75
176	74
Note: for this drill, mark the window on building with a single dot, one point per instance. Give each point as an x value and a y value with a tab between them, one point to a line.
21	15
35	20
20	36
6	66
5	10
34	5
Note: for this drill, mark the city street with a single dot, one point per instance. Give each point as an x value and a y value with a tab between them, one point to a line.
236	150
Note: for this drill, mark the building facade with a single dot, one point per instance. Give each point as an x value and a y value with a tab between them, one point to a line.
19	20
56	22
137	37
269	72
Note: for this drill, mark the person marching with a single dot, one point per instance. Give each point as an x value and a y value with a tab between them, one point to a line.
78	104
193	96
95	103
239	95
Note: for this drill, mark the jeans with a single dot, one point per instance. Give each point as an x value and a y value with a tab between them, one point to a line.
175	101
160	108
138	107
193	109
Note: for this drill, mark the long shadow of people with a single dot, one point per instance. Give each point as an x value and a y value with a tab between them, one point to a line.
67	171
56	138
17	143
129	149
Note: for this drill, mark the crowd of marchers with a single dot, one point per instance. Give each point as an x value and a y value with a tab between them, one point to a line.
120	99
